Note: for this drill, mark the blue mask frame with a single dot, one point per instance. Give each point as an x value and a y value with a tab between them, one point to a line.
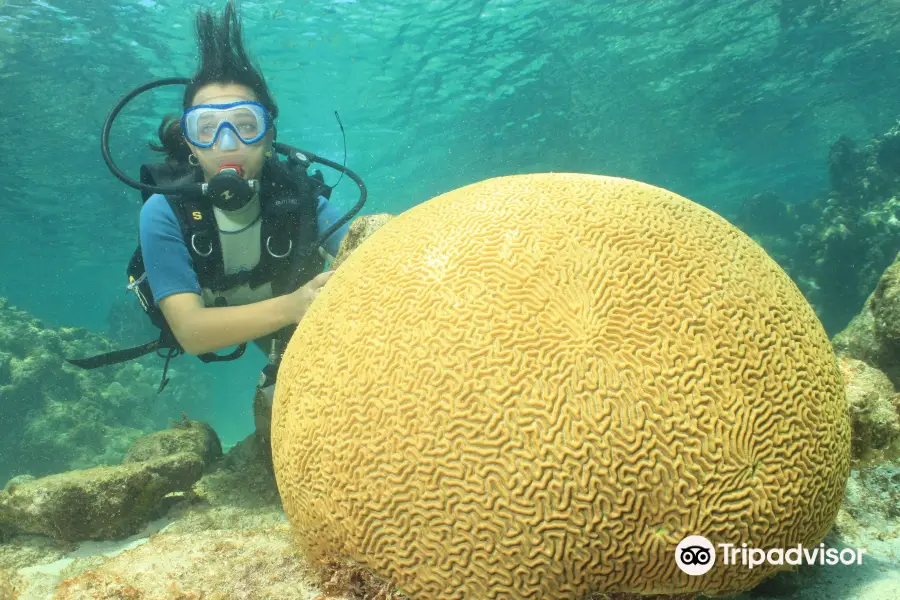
260	110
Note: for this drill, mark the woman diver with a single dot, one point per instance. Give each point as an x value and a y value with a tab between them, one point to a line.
238	284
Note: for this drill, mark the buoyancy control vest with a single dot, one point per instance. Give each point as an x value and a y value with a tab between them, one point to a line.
289	199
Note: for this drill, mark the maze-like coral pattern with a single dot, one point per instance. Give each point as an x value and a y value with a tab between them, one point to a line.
536	386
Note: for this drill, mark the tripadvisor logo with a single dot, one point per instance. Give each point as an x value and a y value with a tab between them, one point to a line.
696	555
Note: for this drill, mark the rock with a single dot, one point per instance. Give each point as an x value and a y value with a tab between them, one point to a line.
98	503
858	339
873	336
242	478
872	403
872	499
845	525
360	229
6	588
885	306
235	502
183	436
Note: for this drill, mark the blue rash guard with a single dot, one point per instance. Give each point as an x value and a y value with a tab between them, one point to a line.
166	258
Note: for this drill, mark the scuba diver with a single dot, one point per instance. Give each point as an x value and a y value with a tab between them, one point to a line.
233	240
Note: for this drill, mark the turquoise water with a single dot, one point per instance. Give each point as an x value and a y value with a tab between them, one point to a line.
715	100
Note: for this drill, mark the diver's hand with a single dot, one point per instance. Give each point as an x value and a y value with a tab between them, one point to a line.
300	300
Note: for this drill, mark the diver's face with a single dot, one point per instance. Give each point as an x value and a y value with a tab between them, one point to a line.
248	156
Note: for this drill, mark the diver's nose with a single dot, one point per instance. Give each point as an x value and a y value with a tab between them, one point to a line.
227	140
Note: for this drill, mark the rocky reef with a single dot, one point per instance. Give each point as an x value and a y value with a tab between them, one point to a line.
835	246
221	535
111	502
869	351
57	417
873	406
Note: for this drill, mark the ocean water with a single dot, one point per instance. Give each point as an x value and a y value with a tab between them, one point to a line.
715	100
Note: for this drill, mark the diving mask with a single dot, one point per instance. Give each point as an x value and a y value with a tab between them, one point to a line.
203	124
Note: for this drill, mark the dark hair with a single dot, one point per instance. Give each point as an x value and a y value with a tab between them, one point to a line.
222	60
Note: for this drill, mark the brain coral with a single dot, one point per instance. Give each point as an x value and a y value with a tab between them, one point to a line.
536	386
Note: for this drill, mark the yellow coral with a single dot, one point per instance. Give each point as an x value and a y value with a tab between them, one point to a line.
536	386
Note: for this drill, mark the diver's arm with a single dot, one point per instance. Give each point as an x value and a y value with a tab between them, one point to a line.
201	329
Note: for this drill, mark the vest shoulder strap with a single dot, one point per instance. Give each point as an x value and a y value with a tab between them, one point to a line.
288	232
201	236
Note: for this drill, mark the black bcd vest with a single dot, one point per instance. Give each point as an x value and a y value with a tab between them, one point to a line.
289	254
